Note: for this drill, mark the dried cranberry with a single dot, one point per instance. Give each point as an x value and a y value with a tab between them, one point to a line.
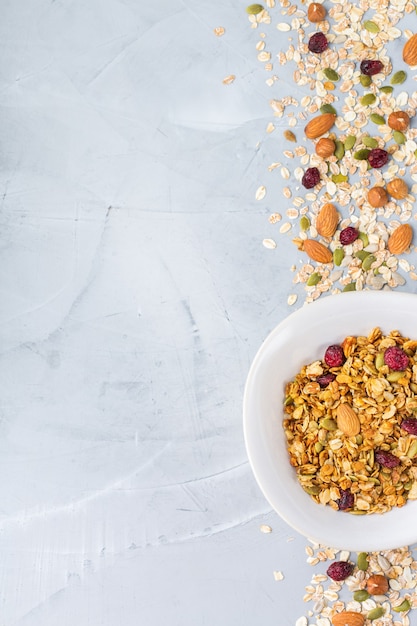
325	379
396	358
339	570
311	177
377	157
334	356
369	68
318	43
410	425
348	235
386	459
346	500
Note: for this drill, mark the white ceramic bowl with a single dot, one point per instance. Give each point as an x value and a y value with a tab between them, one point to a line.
300	339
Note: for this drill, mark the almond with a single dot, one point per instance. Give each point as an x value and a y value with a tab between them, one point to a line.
327	220
377	585
397	188
319	125
398	120
400	239
317	251
347	420
410	51
348	618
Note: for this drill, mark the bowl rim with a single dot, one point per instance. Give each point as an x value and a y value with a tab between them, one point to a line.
329	305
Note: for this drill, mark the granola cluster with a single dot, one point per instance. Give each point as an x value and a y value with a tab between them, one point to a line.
375	469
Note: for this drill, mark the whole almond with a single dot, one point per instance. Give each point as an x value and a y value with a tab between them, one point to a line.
397	188
347	420
377	585
398	120
327	220
316	12
325	147
410	51
377	196
317	251
319	125
348	618
400	239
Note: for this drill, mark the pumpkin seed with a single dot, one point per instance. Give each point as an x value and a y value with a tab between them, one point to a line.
304	223
398	137
357	512
368	98
371	27
366	263
404	606
398	78
379	360
364	238
362	254
393	377
412	450
318	447
377	119
338	256
363	564
350	287
331	74
339	178
365	80
288	400
413	387
361	595
375	613
361	155
328	423
254	9
313	279
339	152
386	89
370	142
328	108
350	142
312	490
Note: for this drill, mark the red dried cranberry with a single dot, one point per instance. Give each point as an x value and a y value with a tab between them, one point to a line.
311	177
339	570
410	425
369	68
377	157
396	358
348	235
386	459
325	379
318	43
346	500
334	356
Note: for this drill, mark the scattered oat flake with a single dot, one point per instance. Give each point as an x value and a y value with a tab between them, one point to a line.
269	243
219	31
229	79
285	228
264	528
292	299
260	193
278	575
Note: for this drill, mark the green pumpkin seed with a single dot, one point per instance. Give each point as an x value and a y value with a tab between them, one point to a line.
366	264
350	287
254	9
361	595
404	606
377	119
386	89
328	423
375	613
398	78
370	142
331	74
313	279
365	80
393	377
339	152
338	256
413	387
412	450
339	178
350	142
364	238
288	400
361	155
357	512
370	26
312	490
368	98
363	564
318	447
407	486
304	223
379	360
328	108
362	254
398	137
415	153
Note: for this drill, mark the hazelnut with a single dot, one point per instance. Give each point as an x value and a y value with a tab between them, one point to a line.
377	196
397	188
377	585
316	12
398	120
325	147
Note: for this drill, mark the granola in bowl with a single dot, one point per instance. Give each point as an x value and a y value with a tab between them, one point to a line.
350	424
